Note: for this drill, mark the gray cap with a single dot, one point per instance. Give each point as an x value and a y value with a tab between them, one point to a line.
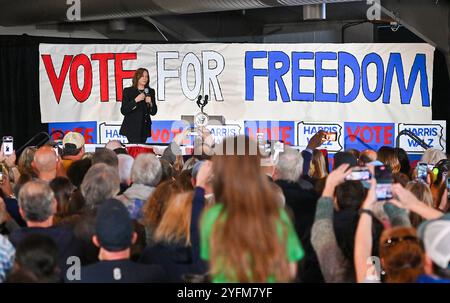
435	235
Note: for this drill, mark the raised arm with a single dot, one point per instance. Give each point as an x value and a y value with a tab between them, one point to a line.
198	205
333	263
363	237
403	198
313	143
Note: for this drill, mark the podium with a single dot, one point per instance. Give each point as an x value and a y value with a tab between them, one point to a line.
214	119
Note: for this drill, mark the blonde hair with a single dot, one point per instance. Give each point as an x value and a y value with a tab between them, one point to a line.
176	220
25	159
388	156
318	168
423	193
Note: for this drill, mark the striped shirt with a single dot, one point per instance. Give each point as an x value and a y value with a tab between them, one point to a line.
7	253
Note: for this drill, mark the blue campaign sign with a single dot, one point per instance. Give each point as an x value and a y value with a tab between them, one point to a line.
363	136
305	131
163	131
433	135
272	130
87	129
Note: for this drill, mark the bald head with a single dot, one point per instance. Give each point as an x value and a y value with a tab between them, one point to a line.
45	160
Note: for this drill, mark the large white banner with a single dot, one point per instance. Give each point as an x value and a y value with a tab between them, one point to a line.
307	82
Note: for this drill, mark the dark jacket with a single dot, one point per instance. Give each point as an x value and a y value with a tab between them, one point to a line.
120	271
302	203
137	121
176	259
64	238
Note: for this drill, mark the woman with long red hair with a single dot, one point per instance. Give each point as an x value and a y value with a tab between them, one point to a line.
246	236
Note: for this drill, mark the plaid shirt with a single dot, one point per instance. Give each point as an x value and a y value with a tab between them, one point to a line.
7	253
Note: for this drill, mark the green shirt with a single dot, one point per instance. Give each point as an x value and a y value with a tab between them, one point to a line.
294	248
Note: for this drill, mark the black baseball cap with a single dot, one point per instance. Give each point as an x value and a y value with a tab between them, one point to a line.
113	226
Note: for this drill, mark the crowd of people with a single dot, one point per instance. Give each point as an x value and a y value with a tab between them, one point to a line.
230	212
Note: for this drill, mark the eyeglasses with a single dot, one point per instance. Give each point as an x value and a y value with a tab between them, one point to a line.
395	240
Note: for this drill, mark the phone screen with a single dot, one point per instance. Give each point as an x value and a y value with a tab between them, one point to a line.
383	175
359	174
448	187
8	145
331	136
422	172
384	191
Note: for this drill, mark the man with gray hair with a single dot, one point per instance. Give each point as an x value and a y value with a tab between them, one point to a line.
146	173
101	182
302	202
289	165
37	206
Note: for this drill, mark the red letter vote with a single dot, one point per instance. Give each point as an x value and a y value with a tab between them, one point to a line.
388	135
81	95
285	137
57	82
377	133
364	131
353	136
122	74
103	73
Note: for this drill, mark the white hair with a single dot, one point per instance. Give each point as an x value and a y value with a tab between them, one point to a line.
125	164
36	200
101	182
433	156
289	164
146	170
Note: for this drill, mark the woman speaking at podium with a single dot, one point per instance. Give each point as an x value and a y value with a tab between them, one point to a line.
138	104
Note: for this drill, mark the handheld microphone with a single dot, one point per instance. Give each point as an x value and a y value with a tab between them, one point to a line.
146	92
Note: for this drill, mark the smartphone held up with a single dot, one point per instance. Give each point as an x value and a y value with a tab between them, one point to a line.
359	174
8	145
330	136
383	175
